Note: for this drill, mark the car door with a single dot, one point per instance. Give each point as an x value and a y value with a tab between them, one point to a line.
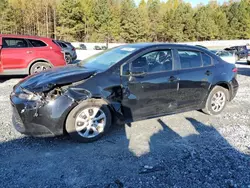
149	85
15	53
196	74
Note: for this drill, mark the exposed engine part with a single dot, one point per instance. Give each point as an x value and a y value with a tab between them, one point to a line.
41	99
44	98
53	94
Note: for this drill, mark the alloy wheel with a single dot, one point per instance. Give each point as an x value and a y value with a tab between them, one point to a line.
40	68
68	59
90	122
218	101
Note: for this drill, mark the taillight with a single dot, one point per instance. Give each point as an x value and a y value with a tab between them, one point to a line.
235	69
73	49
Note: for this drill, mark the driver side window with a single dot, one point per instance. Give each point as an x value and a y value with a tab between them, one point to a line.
156	61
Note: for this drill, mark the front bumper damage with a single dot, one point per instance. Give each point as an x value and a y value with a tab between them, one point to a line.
45	117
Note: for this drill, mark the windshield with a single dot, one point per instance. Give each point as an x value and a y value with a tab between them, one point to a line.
107	58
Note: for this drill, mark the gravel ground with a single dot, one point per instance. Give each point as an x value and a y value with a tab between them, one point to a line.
184	150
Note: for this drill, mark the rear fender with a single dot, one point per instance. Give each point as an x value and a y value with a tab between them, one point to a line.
226	85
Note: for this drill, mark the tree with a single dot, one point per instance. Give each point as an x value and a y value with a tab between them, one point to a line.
206	28
143	22
102	17
154	18
115	29
128	21
123	21
71	25
238	17
220	19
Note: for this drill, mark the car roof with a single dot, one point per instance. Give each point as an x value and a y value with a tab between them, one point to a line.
23	36
143	46
170	45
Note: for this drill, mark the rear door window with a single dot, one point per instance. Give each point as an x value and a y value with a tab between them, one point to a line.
63	45
14	43
189	59
56	43
37	43
207	61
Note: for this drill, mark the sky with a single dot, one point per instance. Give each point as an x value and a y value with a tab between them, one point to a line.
193	2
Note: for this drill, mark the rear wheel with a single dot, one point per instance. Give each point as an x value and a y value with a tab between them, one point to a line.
89	121
216	101
39	67
248	62
68	58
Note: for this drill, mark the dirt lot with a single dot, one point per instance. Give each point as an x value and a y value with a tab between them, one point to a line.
184	150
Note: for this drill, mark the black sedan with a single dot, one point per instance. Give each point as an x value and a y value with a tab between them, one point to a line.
127	83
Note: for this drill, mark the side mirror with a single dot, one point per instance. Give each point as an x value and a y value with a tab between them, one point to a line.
137	71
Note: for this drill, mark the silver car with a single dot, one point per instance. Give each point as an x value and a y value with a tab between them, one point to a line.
227	56
69	50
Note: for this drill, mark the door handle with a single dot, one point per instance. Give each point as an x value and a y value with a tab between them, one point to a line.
208	73
29	52
173	79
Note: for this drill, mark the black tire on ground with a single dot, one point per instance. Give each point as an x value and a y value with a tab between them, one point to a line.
208	108
68	58
70	121
39	66
248	62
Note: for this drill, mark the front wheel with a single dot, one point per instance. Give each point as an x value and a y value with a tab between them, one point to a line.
216	101
89	121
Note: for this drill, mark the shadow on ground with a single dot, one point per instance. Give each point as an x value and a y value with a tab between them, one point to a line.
159	155
6	78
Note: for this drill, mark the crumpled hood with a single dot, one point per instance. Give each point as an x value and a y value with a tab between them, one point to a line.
58	76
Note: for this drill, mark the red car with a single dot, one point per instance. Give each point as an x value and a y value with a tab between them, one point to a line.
28	54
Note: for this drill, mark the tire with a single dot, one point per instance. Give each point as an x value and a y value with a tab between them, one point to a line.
248	62
210	107
76	120
68	58
39	67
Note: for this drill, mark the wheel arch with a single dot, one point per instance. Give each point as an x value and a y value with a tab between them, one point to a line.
114	108
80	105
226	86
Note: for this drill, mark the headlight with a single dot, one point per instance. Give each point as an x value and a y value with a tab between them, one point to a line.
27	95
30	97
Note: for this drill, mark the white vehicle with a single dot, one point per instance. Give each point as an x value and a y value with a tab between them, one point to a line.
227	56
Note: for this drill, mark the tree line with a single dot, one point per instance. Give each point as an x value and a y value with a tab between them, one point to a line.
124	21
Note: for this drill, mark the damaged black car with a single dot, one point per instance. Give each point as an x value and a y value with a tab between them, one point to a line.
124	84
